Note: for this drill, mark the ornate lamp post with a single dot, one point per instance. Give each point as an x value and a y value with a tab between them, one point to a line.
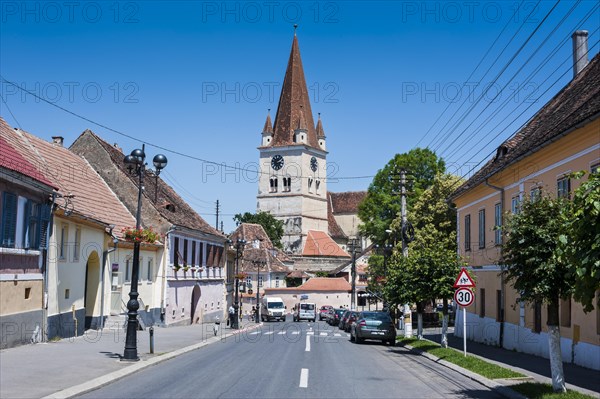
354	247
239	248
136	165
259	264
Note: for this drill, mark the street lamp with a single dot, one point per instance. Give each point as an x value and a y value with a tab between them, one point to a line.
137	167
258	264
239	248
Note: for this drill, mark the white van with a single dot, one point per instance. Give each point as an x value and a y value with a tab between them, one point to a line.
305	311
272	308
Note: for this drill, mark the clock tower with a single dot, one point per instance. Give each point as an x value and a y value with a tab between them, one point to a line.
292	184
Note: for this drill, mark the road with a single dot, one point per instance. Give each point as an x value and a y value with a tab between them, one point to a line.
295	360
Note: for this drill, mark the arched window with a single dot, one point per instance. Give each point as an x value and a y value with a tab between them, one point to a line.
310	184
273	184
317	186
287	184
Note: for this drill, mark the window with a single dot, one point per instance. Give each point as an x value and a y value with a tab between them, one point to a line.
482	302
128	269
310	184
260	281
77	243
563	187
565	312
498	224
9	219
467	232
67	293
499	315
150	270
194	263
537	317
598	314
201	255
248	281
287	184
185	252
31	232
481	228
595	168
277	282
64	238
535	194
273	184
317	186
176	251
514	203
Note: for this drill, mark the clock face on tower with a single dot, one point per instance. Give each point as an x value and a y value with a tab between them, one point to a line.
277	162
313	164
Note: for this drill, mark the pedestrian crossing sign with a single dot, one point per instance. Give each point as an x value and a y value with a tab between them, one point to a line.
463	280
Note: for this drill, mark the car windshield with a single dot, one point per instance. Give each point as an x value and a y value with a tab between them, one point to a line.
275	305
307	306
376	316
339	312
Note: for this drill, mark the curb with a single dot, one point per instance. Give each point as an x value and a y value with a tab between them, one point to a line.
140	365
495	386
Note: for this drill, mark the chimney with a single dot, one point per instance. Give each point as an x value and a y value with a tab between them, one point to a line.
580	51
58	140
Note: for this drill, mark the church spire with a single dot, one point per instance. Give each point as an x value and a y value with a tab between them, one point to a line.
294	103
268	125
319	128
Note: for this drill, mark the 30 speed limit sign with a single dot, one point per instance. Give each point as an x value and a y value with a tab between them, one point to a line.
464	297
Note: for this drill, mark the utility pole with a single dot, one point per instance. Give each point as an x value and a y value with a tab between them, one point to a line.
217	224
407	310
353	246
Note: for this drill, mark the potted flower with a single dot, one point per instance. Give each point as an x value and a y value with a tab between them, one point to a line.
147	234
241	276
176	267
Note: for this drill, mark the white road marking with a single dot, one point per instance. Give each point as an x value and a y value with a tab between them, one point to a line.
310	333
337	335
307	344
281	333
295	332
304	378
323	334
269	332
255	332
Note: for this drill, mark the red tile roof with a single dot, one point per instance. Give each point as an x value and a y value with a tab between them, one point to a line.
576	103
318	243
346	202
183	215
252	232
335	230
72	175
11	159
294	104
326	284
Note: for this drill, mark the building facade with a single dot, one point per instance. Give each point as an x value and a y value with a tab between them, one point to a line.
563	137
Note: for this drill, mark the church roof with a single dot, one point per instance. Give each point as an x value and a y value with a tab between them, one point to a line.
294	104
319	128
268	125
346	202
318	243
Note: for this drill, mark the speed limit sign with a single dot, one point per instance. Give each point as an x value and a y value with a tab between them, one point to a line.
464	297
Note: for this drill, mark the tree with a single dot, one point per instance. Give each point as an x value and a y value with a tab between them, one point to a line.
540	276
580	245
432	264
273	227
381	206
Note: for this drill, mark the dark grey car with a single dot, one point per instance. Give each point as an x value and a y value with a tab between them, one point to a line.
373	325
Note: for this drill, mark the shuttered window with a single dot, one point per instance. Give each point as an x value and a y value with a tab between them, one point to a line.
9	219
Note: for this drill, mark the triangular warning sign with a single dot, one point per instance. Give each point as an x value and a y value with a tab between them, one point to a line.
463	280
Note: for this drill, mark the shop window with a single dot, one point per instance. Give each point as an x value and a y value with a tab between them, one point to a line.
467	232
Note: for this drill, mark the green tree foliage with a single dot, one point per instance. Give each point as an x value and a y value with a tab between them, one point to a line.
381	206
273	227
432	264
530	260
580	245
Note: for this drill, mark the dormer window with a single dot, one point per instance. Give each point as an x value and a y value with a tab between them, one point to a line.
501	152
170	207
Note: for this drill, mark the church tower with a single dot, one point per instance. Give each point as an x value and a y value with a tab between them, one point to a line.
292	184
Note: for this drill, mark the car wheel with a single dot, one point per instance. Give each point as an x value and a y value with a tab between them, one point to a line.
392	342
359	340
352	338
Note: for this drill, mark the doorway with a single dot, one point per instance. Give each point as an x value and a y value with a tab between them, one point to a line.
196	293
92	286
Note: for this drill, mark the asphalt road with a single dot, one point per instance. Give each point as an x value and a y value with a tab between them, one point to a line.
295	360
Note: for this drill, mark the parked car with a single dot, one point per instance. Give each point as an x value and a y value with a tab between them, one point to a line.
343	318
323	311
350	320
335	316
305	311
373	325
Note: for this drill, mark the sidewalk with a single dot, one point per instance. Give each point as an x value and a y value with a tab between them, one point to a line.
40	370
578	378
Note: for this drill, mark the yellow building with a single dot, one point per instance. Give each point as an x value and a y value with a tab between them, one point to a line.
562	137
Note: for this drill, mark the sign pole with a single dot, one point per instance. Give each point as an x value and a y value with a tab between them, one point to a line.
465	331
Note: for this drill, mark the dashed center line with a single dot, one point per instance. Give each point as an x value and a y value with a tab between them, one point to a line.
304	378
307	349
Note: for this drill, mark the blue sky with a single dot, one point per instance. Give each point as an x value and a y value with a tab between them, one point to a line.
197	78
